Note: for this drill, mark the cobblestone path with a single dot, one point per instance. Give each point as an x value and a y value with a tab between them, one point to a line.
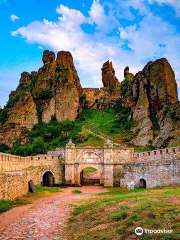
46	218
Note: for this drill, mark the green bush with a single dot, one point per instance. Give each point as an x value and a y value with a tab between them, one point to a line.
64	80
33	80
61	68
10	104
4	148
44	94
48	136
125	84
155	123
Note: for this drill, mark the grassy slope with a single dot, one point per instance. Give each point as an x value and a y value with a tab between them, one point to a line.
100	123
103	123
6	205
118	214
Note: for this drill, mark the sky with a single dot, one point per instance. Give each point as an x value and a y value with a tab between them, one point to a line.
127	32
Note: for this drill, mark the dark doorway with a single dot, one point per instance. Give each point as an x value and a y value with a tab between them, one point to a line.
90	176
142	183
48	179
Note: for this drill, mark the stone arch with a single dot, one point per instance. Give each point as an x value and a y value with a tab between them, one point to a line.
142	183
90	179
48	179
84	166
89	157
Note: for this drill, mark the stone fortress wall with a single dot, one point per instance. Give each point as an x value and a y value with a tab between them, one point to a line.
158	168
16	172
117	167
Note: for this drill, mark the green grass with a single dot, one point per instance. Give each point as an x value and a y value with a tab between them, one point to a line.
102	123
90	140
6	205
76	191
89	171
120	211
40	189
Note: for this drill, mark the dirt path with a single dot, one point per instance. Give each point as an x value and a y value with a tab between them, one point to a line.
45	218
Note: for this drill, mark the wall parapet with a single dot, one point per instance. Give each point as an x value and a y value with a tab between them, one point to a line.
10	162
156	155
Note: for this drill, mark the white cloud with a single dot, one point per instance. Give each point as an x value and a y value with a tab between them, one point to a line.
147	39
13	17
174	3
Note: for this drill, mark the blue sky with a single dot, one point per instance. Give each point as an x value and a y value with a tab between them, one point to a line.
127	32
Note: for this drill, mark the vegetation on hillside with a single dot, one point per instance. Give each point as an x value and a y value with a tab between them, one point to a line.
91	128
4	111
118	214
46	136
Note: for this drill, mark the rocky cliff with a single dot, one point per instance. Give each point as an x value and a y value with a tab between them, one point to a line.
55	91
154	89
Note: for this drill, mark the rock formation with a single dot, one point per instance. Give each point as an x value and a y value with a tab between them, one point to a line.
169	122
108	76
153	89
162	84
141	113
107	95
55	91
127	74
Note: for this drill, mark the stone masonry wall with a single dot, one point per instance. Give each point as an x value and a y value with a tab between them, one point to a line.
15	184
157	168
155	174
16	172
116	167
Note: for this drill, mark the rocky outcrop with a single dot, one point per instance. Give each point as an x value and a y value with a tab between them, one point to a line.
141	113
59	86
127	89
108	76
169	122
162	84
68	90
127	74
54	90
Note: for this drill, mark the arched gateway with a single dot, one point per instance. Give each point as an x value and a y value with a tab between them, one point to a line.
102	159
117	166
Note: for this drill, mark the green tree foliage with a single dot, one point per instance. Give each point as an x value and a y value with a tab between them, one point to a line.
37	146
48	136
44	94
4	148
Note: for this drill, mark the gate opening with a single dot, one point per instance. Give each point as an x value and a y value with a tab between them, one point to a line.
48	179
90	176
142	183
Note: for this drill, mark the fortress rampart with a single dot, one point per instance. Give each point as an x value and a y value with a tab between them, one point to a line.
117	167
